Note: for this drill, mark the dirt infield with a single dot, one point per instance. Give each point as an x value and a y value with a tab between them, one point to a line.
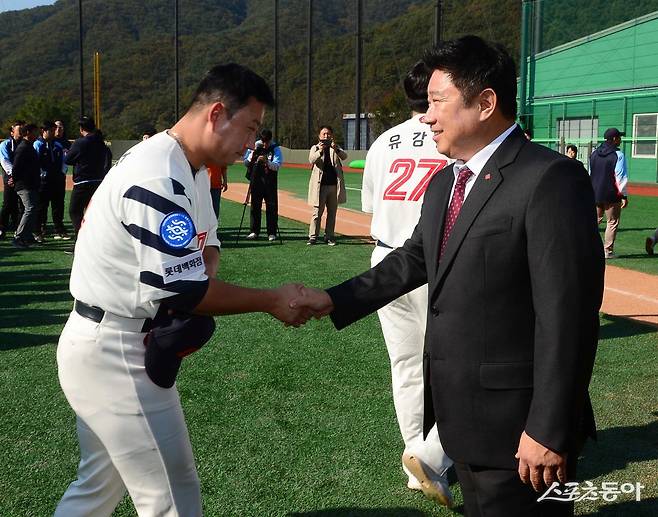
628	294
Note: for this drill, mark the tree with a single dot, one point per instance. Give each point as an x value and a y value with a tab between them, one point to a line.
38	109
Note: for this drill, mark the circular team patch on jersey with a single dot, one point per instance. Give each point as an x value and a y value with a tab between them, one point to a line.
177	230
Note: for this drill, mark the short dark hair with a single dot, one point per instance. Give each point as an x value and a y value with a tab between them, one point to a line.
265	135
233	85
572	147
473	65
47	124
150	131
87	124
26	129
415	87
326	127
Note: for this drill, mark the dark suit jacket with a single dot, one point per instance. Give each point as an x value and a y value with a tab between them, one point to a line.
513	304
26	172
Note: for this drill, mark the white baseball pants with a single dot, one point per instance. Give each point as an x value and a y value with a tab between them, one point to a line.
403	324
132	433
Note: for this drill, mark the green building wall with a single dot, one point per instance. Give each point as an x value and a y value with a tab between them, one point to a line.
606	77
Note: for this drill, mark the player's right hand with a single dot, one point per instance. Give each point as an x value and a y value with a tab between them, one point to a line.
283	310
317	301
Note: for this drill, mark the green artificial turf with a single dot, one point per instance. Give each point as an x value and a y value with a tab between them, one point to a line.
283	421
638	221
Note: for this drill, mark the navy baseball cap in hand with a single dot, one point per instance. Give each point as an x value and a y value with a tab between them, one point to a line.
168	343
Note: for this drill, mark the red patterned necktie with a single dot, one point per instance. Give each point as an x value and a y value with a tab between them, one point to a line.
455	205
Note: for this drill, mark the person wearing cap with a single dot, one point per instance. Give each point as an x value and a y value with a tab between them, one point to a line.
609	175
144	281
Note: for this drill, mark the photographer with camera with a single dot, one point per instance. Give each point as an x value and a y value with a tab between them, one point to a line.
263	164
326	187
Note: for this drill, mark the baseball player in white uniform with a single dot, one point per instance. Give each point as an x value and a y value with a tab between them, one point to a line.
399	166
149	240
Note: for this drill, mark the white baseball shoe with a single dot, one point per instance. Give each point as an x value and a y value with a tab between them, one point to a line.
252	236
434	486
412	483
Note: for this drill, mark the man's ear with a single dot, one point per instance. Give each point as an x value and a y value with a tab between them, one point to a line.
487	102
216	111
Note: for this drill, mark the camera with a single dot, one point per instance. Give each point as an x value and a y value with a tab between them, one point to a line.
254	165
326	142
259	151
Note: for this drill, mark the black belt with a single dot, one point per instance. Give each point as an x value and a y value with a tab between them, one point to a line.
384	245
97	314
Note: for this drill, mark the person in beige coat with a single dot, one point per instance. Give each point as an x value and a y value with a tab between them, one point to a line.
326	188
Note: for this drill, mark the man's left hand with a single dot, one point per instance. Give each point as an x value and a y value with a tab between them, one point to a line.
539	465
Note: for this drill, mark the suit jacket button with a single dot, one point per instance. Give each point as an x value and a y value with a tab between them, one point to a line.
435	310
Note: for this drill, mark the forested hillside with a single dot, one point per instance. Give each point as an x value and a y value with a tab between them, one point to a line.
39	55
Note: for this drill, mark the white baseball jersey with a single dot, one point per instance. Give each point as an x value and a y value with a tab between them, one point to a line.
399	166
144	232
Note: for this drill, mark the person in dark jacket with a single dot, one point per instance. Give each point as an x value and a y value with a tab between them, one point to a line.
12	208
60	136
263	164
53	181
609	174
89	156
27	177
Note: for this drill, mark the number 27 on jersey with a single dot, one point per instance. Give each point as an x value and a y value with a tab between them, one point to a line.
404	168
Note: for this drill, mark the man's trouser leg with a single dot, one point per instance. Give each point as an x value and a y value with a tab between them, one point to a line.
257	194
612	215
57	195
490	492
271	204
612	212
403	325
9	213
27	224
98	489
44	200
126	420
316	218
331	201
80	198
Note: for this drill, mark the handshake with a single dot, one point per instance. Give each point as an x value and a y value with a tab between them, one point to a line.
295	304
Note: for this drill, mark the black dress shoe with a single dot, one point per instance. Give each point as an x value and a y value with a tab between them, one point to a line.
20	243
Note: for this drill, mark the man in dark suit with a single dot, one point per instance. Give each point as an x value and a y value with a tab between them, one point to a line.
507	241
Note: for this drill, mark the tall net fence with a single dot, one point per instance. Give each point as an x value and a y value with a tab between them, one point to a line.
589	68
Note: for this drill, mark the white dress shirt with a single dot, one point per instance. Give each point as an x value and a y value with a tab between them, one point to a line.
478	161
